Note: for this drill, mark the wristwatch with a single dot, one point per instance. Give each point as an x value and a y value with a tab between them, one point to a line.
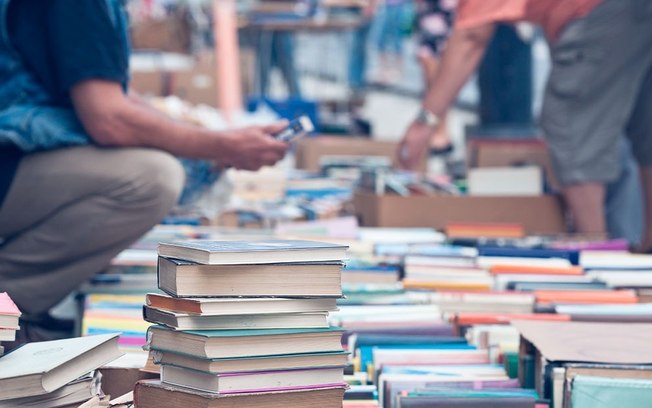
426	117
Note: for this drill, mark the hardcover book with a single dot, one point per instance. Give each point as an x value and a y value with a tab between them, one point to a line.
186	279
154	394
183	321
40	368
262	381
244	343
252	252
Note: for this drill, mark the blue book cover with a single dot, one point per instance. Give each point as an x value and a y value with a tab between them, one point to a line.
573	256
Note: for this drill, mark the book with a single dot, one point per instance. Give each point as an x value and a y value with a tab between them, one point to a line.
185	279
505	181
244	343
414	357
75	392
246	364
536	270
573	256
7	334
39	368
603	392
484	230
545	297
9	313
184	321
261	381
252	252
466	401
154	394
609	343
240	306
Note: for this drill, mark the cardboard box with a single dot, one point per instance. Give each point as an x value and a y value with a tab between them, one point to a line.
309	150
542	215
511	152
171	34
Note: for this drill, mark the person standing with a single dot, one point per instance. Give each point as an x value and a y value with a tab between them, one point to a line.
600	88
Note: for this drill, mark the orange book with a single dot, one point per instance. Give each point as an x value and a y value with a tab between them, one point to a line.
546	297
467	319
447	286
485	230
535	270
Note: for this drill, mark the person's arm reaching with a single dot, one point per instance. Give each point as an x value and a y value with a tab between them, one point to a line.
112	118
463	54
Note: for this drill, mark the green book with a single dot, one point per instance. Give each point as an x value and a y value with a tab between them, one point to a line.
243	343
603	392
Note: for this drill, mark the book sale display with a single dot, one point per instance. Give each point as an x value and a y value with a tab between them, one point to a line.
393	318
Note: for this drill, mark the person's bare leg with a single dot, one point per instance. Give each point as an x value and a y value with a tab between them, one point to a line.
586	204
646	180
429	65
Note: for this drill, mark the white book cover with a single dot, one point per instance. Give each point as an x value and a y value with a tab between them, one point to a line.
42	367
505	181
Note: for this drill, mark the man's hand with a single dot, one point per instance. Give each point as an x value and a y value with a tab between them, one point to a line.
252	147
414	145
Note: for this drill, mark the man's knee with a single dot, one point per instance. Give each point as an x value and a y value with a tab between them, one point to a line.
157	180
166	179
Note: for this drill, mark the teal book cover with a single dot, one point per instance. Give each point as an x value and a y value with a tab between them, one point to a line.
602	392
255	332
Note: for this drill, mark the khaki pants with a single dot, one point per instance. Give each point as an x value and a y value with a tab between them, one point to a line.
70	211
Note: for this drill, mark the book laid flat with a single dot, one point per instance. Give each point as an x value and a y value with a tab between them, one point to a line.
246	364
613	343
154	394
467	402
183	321
252	252
244	343
536	270
75	392
237	383
240	306
602	392
39	368
186	279
9	313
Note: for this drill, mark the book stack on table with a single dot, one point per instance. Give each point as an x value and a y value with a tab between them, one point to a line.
9	320
245	323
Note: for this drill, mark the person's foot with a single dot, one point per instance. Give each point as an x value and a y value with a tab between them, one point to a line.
40	328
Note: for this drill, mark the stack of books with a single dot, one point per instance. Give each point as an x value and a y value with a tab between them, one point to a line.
245	323
53	374
9	317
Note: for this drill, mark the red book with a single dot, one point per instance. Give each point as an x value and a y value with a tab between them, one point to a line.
466	319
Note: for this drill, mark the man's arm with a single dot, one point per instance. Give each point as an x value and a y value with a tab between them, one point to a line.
112	118
463	53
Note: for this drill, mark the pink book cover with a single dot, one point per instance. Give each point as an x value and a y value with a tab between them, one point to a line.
7	306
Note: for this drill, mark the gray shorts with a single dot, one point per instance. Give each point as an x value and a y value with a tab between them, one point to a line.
600	90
